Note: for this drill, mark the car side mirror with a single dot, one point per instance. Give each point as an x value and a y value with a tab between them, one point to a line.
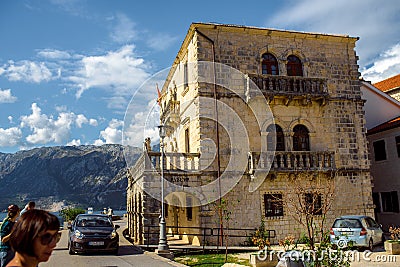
117	226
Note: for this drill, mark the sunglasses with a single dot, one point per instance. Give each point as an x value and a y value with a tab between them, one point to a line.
47	238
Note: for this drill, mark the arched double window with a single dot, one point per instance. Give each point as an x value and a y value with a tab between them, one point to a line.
294	66
269	64
301	138
275	138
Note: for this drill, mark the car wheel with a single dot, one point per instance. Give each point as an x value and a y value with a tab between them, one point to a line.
116	251
371	245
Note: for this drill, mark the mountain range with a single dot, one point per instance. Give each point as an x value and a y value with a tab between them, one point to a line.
55	177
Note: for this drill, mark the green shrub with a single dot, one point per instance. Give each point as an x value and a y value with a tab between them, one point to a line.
69	214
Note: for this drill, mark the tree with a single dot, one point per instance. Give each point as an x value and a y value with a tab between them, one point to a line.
69	214
225	208
309	198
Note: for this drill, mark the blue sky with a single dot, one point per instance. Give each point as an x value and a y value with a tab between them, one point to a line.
68	69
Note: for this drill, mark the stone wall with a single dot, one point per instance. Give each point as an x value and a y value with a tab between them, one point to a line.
335	122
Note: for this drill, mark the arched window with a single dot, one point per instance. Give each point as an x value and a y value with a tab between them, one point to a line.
294	66
269	64
301	139
275	138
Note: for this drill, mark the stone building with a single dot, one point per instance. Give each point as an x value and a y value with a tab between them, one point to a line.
252	115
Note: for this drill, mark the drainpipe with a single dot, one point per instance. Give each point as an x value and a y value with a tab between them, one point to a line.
216	133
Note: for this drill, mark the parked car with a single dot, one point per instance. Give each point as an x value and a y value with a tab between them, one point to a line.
356	230
93	233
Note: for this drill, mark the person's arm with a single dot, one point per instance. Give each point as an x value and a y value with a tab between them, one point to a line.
5	238
5	231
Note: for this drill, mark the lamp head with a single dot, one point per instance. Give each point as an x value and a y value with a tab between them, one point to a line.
161	131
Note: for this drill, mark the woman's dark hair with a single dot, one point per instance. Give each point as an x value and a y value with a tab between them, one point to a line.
12	211
28	227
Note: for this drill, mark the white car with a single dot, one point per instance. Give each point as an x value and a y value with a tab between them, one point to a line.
356	230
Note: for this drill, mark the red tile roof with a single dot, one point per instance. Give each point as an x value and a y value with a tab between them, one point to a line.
385	126
390	83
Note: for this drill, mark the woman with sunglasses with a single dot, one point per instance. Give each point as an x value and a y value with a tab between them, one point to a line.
34	238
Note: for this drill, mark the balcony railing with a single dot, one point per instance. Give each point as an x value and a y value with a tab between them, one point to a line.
173	161
290	85
171	112
287	161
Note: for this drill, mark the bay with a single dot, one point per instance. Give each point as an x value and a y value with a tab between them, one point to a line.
116	212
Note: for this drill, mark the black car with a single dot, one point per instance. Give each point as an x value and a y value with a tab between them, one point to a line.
93	233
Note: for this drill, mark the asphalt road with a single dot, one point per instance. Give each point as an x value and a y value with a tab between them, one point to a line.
129	255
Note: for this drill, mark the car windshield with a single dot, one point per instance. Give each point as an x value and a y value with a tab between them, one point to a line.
93	221
347	223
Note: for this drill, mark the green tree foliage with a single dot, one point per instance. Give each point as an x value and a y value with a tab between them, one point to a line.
69	214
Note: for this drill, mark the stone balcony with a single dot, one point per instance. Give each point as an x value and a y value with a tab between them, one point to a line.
291	161
171	113
291	87
173	163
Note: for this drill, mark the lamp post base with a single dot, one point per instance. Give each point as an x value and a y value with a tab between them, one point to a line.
165	254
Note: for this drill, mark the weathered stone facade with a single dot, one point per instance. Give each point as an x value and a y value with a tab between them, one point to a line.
319	130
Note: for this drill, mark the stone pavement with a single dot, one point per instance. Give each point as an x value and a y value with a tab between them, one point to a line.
140	257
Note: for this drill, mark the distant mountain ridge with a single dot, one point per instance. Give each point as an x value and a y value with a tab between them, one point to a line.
66	175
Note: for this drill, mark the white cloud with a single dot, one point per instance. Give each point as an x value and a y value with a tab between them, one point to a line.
98	142
53	54
26	71
6	96
112	134
141	124
386	66
124	30
118	71
61	108
161	41
10	119
80	120
375	22
47	129
93	122
74	142
117	102
10	137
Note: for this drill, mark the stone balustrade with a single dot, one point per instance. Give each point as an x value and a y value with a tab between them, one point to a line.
173	161
290	85
287	161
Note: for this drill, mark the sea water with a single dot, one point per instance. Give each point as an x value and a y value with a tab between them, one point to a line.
116	212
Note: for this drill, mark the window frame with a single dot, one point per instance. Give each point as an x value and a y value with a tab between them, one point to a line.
301	138
275	136
187	140
390	202
397	140
379	149
189	208
268	61
294	66
273	205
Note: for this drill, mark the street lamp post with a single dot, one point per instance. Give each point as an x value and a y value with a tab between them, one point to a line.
163	248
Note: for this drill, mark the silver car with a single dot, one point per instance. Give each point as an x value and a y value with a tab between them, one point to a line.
356	230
